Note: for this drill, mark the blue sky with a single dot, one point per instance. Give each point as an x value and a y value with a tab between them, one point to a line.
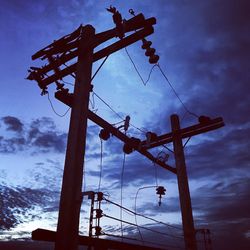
204	51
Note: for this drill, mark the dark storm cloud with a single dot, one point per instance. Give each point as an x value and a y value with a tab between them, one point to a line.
11	145
204	159
222	206
207	56
233	195
13	123
16	204
137	170
40	135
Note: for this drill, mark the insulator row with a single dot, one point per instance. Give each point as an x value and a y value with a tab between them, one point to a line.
150	52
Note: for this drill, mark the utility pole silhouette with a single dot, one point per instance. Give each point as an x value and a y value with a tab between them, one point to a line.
184	194
71	193
80	44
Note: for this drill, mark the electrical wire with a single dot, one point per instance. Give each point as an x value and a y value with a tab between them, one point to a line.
73	75
186	142
176	94
141	215
146	228
138	227
164	146
116	113
99	67
54	108
108	105
71	84
101	158
118	236
156	174
122	174
150	242
92	102
137	71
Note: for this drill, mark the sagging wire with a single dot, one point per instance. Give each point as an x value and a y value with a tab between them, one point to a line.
92	102
138	228
137	71
176	94
71	84
54	108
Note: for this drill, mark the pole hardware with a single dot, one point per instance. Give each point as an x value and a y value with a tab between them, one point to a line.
160	190
104	134
150	52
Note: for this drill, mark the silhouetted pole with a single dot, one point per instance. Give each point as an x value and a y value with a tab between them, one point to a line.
71	193
184	194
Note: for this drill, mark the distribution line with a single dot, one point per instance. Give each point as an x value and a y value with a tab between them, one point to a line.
141	215
137	71
146	228
176	94
150	242
54	108
116	112
122	174
108	105
99	67
138	227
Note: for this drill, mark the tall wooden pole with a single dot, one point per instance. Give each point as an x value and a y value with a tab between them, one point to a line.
184	194
71	193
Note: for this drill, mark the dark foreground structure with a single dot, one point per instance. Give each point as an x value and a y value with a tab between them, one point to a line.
92	243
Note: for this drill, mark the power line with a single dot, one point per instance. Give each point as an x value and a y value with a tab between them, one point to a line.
138	227
146	228
101	157
71	84
150	242
164	146
122	174
176	94
186	142
156	174
141	215
99	67
116	113
73	75
137	71
54	108
108	105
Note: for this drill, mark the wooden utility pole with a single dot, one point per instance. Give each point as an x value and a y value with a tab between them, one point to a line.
71	193
184	194
81	44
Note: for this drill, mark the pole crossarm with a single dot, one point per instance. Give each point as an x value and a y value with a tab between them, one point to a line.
66	49
186	132
68	99
98	55
68	42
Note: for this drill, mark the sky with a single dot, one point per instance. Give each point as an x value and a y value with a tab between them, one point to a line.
204	52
